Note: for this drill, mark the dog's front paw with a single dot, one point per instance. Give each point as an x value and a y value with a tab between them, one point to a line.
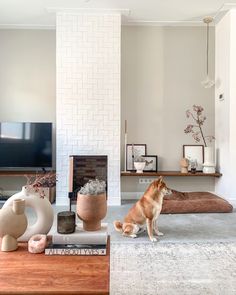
153	239
133	236
160	233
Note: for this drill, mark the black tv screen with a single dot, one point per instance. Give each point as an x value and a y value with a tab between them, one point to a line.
25	145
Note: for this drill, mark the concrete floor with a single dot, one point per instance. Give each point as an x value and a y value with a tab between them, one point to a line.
179	228
199	227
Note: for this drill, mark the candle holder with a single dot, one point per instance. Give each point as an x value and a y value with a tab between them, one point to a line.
66	222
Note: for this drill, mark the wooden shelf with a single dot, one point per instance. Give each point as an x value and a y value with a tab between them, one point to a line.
171	173
22	173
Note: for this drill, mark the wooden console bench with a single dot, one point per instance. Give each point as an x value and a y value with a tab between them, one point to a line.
25	273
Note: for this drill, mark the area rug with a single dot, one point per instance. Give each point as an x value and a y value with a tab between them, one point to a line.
173	269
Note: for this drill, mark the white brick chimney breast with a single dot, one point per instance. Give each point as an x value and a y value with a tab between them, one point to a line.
88	94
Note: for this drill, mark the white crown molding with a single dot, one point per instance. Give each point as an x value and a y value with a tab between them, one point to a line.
163	23
124	12
26	27
125	22
223	10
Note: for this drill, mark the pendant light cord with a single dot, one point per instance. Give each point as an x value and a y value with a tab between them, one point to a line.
207	46
207	83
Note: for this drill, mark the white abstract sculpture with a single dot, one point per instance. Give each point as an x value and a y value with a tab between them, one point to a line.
13	224
43	210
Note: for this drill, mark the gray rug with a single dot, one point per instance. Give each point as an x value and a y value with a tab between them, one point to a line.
173	268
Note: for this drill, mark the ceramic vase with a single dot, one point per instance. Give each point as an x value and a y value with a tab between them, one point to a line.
42	208
91	209
209	160
13	224
139	166
184	163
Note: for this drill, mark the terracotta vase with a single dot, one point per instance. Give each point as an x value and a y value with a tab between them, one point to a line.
43	210
91	209
13	224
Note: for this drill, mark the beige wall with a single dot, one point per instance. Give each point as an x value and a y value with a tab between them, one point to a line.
161	73
27	80
225	109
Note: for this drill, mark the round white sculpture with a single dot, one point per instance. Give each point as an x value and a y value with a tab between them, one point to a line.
42	208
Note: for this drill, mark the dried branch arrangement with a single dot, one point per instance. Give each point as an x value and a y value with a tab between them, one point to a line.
196	128
93	187
139	159
38	182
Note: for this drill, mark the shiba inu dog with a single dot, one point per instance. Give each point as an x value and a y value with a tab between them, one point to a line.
145	212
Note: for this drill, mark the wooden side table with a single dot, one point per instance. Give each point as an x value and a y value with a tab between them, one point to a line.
24	273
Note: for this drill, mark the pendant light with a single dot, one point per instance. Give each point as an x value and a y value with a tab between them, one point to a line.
208	82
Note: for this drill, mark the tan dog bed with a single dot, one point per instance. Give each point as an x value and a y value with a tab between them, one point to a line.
195	202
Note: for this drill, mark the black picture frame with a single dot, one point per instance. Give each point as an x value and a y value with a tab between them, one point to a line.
133	151
194	151
151	163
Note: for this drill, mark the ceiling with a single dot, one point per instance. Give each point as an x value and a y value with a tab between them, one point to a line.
35	13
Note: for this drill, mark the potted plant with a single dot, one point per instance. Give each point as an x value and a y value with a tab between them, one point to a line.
92	204
139	164
197	133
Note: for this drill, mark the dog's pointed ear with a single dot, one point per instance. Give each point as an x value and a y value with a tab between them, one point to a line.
160	179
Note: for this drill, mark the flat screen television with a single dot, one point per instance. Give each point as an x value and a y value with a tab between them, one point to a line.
25	145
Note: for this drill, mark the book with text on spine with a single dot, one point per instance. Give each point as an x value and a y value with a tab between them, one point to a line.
72	249
82	237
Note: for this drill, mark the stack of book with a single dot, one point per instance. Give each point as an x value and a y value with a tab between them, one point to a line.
81	242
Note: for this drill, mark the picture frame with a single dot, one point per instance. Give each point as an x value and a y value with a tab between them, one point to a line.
194	153
134	151
151	163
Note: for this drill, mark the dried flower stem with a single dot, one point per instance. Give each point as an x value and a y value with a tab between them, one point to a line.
203	138
199	119
38	182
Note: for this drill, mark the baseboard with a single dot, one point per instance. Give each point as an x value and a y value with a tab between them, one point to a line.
131	195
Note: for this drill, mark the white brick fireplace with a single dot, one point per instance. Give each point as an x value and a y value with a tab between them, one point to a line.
88	94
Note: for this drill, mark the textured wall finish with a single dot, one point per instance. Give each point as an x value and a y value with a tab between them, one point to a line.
160	80
27	84
88	95
225	108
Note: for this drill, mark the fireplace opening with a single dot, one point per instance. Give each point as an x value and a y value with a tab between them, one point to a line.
82	169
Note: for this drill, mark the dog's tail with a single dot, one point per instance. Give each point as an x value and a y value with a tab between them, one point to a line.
118	226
